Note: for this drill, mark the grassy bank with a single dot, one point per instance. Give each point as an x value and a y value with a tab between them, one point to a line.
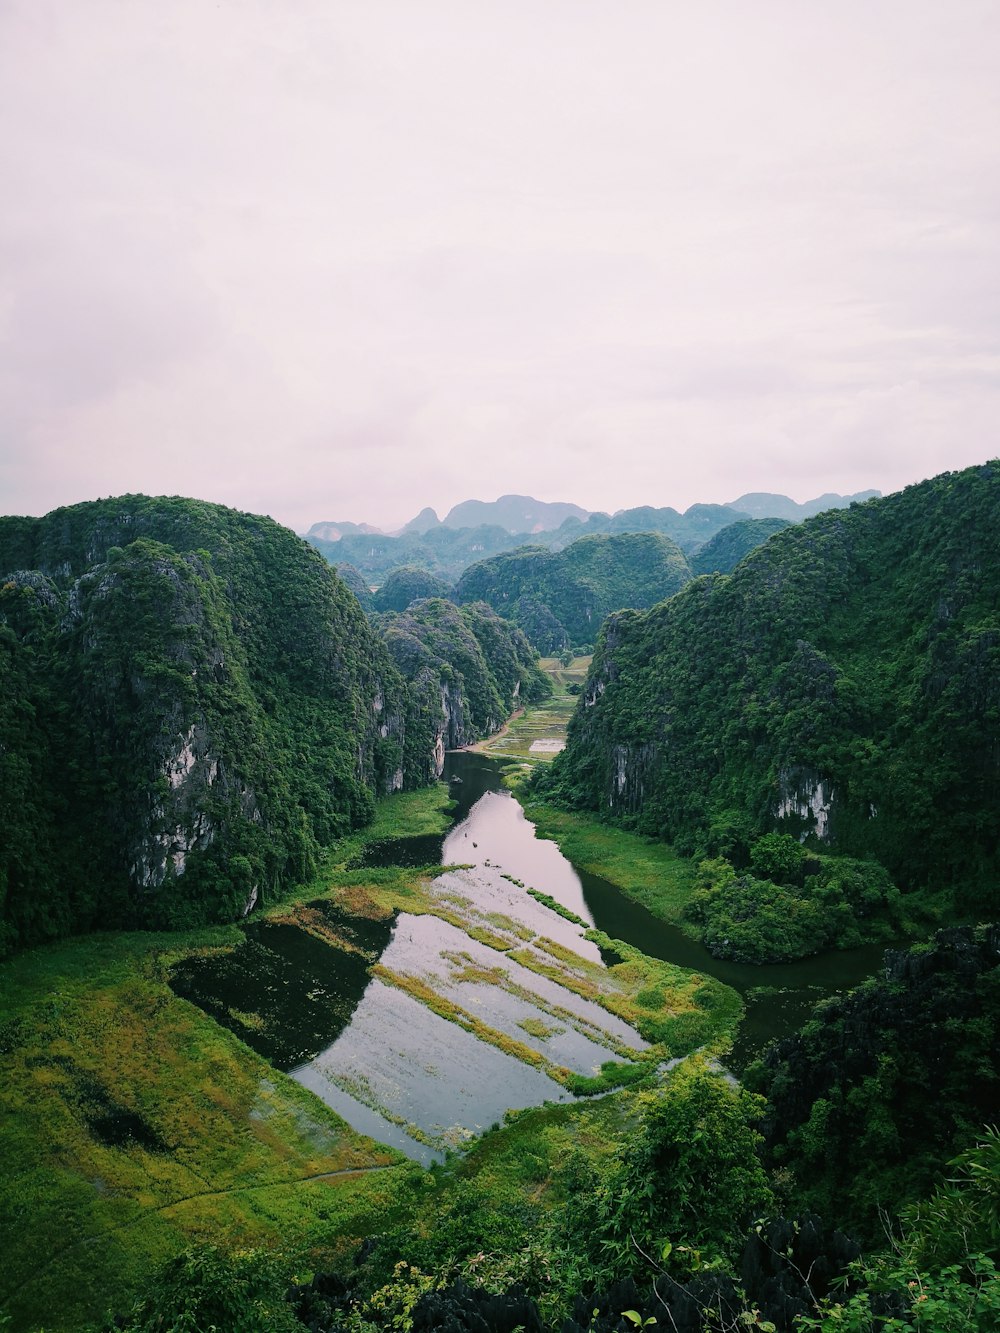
647	871
132	1125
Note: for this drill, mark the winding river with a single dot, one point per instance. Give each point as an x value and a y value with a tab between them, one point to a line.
399	1071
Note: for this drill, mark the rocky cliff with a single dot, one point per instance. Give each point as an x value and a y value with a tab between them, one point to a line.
843	684
192	704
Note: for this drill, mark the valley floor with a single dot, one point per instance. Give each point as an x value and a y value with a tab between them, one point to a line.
132	1124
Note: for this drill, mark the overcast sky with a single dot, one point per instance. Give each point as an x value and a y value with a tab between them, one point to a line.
341	259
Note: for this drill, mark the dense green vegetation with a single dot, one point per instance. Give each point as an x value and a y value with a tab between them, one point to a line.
354	580
195	704
405	585
192	705
560	598
791	904
843	683
900	1074
443	551
649	1210
727	548
466	669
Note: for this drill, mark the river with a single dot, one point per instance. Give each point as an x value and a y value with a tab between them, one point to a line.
401	1072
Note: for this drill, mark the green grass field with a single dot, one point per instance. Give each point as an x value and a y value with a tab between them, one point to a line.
132	1125
541	723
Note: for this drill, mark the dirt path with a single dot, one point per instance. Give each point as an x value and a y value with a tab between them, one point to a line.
177	1203
481	747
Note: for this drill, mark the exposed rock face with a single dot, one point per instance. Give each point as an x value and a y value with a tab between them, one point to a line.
805	796
467	669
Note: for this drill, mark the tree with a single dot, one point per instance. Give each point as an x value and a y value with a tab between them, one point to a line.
687	1185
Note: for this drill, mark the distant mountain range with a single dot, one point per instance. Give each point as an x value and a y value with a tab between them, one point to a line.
522	515
476	529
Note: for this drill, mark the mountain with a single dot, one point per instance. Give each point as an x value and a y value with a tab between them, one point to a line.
762	504
442	551
467	670
424	521
726	549
689	530
843	684
191	704
475	529
333	532
352	577
559	598
514	513
405	585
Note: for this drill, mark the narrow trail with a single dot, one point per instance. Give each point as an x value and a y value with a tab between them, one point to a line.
481	747
164	1208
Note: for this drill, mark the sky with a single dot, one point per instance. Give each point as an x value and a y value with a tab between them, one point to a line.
334	260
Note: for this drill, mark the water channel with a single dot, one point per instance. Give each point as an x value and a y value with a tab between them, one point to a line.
404	1074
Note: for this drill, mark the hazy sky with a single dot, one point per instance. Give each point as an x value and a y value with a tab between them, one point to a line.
340	260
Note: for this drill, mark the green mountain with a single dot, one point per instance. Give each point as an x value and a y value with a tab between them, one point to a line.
689	530
726	549
352	577
559	598
441	550
467	670
191	704
843	684
765	504
475	530
405	585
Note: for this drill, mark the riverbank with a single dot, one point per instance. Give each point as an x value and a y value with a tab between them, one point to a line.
133	1125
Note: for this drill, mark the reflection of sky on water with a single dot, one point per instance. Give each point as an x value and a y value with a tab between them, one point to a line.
497	831
422	1068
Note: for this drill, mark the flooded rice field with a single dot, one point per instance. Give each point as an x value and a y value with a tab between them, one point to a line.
424	1028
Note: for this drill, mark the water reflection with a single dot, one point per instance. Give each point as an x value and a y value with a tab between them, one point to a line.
395	1068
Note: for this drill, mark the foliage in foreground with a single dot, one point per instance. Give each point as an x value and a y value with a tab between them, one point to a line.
936	1274
894	1075
790	904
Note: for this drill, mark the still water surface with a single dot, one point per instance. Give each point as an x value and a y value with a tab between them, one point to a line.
396	1070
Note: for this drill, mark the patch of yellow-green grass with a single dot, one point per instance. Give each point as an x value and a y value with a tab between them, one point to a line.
408	814
132	1124
677	1011
542	723
454	1013
534	1027
648	871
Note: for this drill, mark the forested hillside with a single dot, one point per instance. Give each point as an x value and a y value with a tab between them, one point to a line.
727	548
842	683
192	704
405	585
559	598
467	670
